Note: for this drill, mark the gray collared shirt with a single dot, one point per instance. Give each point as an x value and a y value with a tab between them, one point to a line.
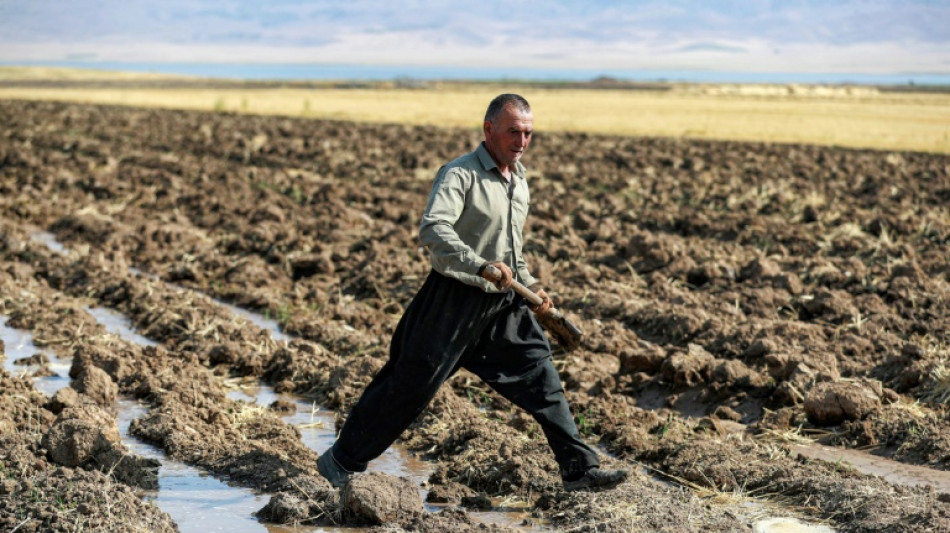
474	216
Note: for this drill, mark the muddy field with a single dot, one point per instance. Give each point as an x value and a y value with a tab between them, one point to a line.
740	301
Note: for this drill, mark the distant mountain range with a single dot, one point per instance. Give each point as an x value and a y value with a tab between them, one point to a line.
874	37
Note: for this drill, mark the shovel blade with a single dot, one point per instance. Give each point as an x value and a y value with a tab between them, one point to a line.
565	333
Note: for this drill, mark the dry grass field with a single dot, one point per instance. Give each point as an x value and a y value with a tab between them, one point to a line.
835	116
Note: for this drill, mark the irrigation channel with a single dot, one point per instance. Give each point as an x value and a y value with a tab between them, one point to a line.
200	503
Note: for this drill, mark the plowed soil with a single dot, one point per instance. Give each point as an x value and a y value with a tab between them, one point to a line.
737	299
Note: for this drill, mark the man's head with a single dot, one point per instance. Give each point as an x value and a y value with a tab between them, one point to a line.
508	127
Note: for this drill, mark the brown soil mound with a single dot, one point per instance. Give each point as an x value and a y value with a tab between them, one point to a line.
37	495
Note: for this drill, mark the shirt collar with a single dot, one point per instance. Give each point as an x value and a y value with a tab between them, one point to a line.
488	163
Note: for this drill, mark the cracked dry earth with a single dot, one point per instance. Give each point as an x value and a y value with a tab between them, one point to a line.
739	299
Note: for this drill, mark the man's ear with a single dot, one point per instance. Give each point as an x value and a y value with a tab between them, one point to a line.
487	127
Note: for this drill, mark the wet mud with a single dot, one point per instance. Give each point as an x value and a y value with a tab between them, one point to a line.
740	300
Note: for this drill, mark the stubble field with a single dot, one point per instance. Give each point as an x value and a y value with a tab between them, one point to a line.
744	303
884	118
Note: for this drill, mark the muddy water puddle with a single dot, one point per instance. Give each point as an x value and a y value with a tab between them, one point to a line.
196	501
118	325
771	517
18	346
788	525
317	431
264	322
866	463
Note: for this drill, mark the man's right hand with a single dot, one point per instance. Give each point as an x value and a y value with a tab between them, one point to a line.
506	276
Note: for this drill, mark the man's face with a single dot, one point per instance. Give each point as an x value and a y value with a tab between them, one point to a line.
509	136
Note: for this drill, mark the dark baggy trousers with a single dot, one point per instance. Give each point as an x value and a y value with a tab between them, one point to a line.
451	325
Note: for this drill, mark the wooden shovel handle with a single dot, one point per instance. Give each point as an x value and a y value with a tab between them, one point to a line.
525	292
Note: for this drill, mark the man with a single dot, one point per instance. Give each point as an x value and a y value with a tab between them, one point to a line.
461	319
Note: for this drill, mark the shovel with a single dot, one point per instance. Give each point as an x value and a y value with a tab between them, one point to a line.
564	332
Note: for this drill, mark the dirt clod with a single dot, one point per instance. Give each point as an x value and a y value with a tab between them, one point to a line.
377	498
96	384
829	404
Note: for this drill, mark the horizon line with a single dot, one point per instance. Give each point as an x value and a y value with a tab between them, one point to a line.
389	71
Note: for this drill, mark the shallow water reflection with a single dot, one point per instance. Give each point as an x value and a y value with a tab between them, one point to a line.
197	502
788	525
118	325
18	344
887	469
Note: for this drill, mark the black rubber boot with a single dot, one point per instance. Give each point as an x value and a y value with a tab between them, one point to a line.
330	469
597	479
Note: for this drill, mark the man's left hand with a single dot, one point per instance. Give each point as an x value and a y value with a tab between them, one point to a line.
546	302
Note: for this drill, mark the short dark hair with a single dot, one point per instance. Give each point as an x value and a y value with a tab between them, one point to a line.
504	100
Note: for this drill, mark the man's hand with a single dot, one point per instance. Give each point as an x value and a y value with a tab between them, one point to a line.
506	276
546	302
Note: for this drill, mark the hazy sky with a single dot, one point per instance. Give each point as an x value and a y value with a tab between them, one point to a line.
859	36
